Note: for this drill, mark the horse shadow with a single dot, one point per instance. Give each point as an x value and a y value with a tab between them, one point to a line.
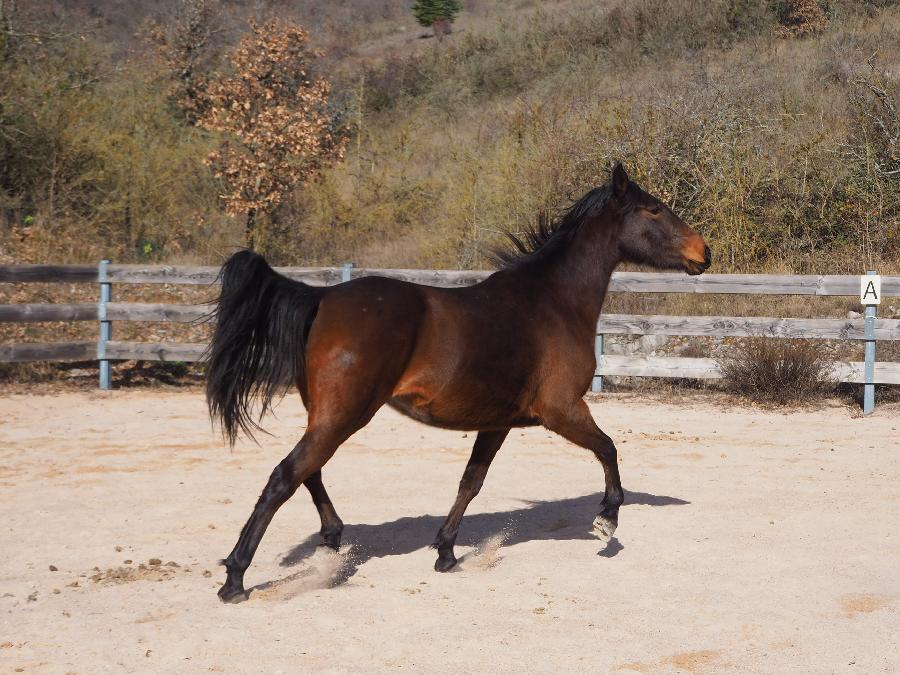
561	520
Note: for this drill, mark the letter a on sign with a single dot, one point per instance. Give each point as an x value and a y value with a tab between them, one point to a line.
870	290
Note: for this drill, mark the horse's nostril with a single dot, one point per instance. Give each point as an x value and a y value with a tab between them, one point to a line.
707	256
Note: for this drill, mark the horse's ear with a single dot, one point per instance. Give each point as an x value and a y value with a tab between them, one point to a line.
619	180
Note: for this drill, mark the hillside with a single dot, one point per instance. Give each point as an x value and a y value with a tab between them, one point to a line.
783	148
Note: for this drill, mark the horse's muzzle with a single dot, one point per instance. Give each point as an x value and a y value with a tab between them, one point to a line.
694	267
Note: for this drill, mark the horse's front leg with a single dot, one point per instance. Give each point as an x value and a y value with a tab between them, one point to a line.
576	424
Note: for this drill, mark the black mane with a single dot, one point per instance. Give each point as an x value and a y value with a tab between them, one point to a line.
546	236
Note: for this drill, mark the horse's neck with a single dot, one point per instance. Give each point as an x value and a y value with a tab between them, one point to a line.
576	277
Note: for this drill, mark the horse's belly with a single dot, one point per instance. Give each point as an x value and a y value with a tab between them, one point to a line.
461	415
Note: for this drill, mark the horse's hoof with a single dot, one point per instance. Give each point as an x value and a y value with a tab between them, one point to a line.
445	564
232	595
604	528
331	541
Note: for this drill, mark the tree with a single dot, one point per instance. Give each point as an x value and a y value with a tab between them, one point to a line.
7	14
273	116
437	14
184	44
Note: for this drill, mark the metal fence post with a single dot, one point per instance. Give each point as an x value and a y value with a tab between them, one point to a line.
597	382
869	388
105	325
346	271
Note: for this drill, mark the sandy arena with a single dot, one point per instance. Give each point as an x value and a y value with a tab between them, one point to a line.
751	541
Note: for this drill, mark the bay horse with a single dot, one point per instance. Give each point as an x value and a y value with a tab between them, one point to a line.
515	350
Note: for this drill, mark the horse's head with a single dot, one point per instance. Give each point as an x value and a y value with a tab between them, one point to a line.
651	233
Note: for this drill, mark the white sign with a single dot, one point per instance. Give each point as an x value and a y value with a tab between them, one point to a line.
870	289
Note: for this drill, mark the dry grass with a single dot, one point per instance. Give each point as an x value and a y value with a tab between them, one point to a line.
776	372
754	140
770	147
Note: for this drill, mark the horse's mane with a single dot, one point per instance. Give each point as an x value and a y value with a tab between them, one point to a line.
548	235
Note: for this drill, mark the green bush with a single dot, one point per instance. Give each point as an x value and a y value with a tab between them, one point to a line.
430	12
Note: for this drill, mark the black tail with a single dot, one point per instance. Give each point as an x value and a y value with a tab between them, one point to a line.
257	349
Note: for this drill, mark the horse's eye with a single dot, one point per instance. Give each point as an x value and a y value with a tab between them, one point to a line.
654	210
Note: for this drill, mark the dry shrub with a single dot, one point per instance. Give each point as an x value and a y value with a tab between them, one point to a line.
800	18
28	372
514	53
459	144
93	163
776	371
785	158
185	46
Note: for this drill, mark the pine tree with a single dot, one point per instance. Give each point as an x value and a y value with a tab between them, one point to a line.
437	14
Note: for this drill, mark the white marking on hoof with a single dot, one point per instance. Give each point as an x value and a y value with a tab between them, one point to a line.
604	528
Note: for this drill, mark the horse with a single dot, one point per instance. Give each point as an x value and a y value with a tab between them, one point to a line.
514	350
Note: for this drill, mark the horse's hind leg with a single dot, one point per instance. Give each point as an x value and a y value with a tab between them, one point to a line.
306	459
332	526
487	443
578	426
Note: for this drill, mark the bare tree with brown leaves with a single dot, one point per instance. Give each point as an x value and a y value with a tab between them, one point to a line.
273	116
800	18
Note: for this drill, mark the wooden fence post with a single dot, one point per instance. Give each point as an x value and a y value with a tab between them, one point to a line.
105	325
346	272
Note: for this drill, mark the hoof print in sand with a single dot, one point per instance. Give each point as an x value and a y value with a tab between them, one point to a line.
153	570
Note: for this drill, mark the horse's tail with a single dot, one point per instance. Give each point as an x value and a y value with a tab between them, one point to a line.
257	349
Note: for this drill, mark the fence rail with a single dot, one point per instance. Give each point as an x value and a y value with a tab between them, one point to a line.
706	369
48	351
609	324
749	326
622	282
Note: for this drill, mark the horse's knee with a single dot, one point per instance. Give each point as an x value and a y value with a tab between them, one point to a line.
471	484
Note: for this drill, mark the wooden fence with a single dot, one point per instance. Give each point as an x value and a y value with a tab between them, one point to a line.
610	324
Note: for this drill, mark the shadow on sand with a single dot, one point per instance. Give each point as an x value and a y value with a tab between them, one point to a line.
564	519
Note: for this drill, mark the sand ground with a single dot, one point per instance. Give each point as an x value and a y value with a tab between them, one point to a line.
751	541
